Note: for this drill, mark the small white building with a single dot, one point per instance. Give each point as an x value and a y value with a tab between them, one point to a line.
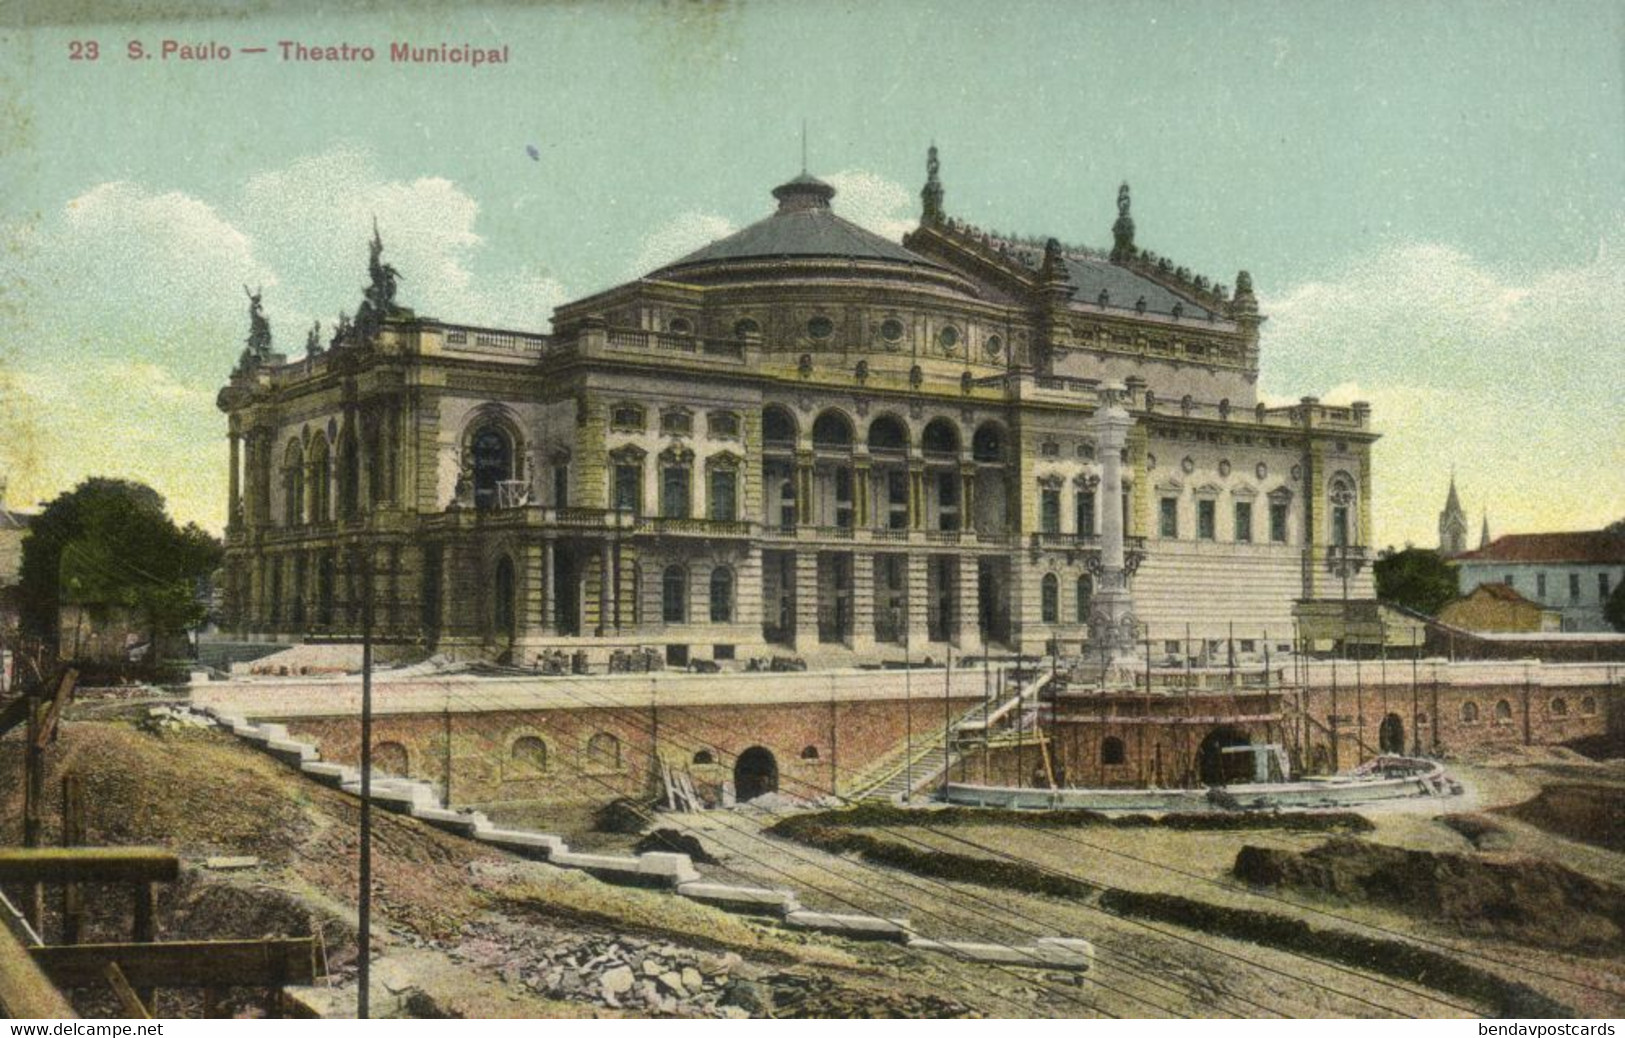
1573	573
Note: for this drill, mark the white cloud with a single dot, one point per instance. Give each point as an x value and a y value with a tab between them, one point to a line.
1510	376
126	309
874	203
676	238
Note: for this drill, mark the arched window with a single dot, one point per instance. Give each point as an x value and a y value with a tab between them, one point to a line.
722	595
940	437
492	453
1588	706
1503	712
778	427
1560	707
704	757
1051	604
832	431
604	752
390	758
888	433
1086	594
504	593
1469	712
349	476
317	485
528	755
809	753
988	442
674	594
1340	492
1111	750
746	326
293	485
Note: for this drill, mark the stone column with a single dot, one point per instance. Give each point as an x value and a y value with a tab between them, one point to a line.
861	477
806	600
1112	626
234	499
606	589
916	495
804	488
918	603
970	630
549	588
967	497
863	601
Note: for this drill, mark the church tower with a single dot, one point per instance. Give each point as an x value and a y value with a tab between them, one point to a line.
1452	524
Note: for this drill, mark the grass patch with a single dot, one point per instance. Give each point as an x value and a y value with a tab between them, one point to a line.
568	894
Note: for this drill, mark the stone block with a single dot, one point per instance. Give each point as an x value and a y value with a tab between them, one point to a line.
749	900
858	927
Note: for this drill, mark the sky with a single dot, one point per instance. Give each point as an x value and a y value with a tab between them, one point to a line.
1430	196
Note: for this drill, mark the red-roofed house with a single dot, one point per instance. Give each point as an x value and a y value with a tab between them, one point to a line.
1573	573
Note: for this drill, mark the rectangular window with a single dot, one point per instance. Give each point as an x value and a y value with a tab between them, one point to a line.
629	488
1540	586
1049	516
1085	517
843	498
1602	587
1574	587
1248	645
724	495
674	492
897	500
1508	581
723	425
1244	521
947	500
1278	522
561	486
1171	647
676	423
1206	520
1340	525
1169	517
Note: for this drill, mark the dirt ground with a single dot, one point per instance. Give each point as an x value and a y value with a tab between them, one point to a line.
467	930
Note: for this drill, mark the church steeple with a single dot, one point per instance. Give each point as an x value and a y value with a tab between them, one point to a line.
1453	523
1484	531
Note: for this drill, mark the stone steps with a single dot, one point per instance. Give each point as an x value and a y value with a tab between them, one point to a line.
655	869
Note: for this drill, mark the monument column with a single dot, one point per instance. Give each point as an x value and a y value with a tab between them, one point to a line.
234	503
1112	627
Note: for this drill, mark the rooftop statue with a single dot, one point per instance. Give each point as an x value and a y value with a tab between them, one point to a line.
259	328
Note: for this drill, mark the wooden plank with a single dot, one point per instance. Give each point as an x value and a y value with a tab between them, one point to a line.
87	865
134	1008
73	834
26	993
185	964
64	689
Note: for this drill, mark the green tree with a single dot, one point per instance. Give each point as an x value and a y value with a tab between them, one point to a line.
1417	578
106	545
1613	610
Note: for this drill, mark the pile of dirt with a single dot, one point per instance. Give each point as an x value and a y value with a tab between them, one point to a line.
1484	833
1589	813
675	842
1532	901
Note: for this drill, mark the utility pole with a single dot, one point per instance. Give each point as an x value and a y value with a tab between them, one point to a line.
364	899
947	716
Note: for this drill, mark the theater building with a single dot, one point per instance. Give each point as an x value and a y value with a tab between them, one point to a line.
802	438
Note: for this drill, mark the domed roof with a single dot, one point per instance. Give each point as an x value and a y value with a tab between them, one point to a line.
804	227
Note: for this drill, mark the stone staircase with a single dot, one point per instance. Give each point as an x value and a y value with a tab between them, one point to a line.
919	763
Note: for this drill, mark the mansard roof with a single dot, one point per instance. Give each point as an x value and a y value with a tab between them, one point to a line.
1093	275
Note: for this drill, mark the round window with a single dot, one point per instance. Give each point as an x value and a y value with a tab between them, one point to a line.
949	338
994	346
680	326
891	330
820	327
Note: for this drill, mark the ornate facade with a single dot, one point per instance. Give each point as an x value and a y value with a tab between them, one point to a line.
803	437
